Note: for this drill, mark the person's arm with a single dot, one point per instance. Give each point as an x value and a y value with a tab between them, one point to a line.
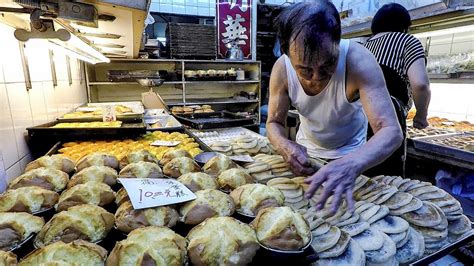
365	76
420	87
278	105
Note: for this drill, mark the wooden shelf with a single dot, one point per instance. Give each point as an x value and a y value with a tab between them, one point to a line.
212	101
223	81
112	83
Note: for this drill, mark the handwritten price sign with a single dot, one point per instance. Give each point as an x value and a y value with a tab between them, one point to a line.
147	192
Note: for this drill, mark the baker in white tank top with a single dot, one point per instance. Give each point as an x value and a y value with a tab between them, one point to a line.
337	86
331	126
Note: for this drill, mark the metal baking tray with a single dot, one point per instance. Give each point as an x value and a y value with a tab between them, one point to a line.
45	131
424	145
137	118
214	120
445	250
203	146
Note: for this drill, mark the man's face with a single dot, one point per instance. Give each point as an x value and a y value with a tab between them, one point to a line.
314	74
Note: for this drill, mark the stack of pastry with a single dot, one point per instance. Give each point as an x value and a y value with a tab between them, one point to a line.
222	146
245	144
333	245
424	191
260	171
293	192
267	167
196	109
425	217
278	165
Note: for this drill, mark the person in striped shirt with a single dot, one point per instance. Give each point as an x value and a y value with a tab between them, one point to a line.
402	59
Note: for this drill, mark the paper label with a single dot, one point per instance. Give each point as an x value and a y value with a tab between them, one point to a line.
108	114
242	158
165	143
154	192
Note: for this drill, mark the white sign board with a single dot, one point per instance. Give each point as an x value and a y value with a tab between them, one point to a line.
165	143
153	192
108	113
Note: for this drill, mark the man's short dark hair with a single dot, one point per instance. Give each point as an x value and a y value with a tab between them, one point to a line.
310	21
391	18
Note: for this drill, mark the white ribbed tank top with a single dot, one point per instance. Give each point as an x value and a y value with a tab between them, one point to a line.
331	126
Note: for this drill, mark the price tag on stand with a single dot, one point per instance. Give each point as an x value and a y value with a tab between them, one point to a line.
165	143
108	113
154	192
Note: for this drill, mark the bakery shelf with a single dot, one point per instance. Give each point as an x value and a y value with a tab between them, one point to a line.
213	101
223	81
112	83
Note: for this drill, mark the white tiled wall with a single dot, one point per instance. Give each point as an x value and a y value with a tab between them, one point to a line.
452	101
20	108
185	7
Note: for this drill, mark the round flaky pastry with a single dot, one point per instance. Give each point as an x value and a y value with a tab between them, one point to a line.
209	203
152	245
87	222
233	178
128	219
251	198
78	252
281	228
198	181
222	241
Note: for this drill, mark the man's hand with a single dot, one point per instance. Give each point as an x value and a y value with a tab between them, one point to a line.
338	177
420	121
297	156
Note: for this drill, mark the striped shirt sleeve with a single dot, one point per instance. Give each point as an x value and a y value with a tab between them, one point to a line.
412	52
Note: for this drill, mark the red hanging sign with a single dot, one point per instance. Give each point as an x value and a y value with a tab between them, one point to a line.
234	20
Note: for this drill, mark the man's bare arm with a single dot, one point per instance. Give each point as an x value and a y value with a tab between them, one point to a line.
278	106
420	86
364	77
378	107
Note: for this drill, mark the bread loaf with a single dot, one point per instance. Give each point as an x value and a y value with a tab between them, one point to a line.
87	222
57	161
222	241
27	199
128	219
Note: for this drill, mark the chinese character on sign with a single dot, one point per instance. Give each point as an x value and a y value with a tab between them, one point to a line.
234	26
243	7
234	30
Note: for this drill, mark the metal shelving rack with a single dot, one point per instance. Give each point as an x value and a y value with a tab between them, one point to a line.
179	91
